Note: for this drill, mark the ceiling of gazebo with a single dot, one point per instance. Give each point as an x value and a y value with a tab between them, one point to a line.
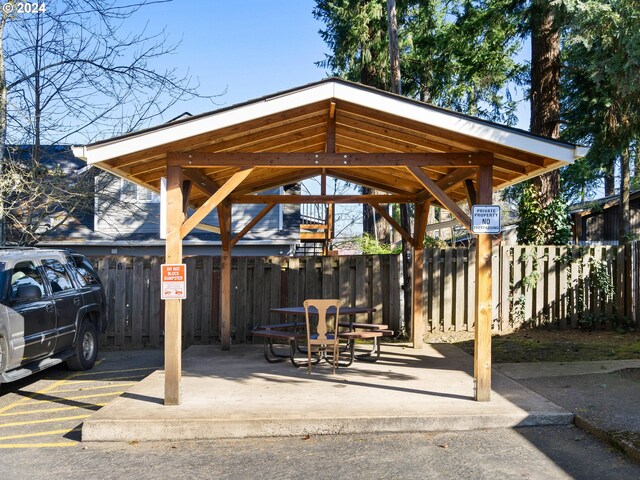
338	128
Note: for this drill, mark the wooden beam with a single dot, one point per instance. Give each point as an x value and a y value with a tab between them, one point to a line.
417	315
420	222
186	190
382	211
207	228
173	308
482	341
224	214
330	145
444	199
470	190
200	181
315	160
331	199
252	223
449	182
214	201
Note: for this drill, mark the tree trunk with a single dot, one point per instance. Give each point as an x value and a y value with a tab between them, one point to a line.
394	52
545	87
625	212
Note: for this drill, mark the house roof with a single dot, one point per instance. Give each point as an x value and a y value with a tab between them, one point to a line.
342	129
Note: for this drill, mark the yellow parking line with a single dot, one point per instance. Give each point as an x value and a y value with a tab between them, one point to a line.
40	434
49	420
79	397
98	387
93	373
38	445
40	392
50	410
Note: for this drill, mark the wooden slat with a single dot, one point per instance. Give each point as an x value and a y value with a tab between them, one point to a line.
448	292
137	302
458	288
120	310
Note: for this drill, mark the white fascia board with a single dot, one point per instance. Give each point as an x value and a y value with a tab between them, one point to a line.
215	121
459	124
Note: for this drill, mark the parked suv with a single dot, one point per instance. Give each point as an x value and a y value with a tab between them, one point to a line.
52	309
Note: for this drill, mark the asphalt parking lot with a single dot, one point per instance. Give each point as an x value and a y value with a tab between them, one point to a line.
46	410
40	418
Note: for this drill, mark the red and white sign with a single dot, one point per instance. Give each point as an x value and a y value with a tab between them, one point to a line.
174	281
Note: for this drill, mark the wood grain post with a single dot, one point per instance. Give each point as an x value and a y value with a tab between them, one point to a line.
225	300
173	308
417	319
224	216
483	303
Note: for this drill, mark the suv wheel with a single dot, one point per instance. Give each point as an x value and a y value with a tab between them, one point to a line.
86	348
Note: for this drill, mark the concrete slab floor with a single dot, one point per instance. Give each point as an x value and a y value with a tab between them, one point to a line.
234	394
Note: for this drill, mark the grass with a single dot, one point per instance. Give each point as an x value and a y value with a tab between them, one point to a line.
542	345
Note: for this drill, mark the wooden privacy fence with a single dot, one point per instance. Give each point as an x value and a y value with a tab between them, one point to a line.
569	287
136	312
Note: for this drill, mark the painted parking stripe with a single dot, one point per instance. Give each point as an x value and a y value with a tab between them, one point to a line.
70	399
48	420
97	387
93	373
63	431
51	410
35	394
37	445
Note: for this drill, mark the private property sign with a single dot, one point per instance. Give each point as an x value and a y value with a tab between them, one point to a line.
485	219
174	281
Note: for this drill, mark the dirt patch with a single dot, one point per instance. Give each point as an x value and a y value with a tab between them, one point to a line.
543	345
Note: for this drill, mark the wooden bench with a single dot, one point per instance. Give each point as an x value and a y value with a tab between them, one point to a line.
365	331
269	333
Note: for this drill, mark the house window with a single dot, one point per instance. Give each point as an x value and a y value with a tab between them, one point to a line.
130	192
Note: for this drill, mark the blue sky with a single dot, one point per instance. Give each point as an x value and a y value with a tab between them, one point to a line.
250	47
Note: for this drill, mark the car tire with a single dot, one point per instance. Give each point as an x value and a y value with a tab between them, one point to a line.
86	348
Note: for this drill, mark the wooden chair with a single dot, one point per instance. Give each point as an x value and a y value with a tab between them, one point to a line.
323	334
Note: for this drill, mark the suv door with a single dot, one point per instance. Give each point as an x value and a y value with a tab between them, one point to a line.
66	298
32	321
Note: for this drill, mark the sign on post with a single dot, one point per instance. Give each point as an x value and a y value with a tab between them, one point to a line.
174	281
485	219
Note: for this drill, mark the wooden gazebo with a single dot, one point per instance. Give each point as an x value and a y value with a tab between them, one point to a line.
410	151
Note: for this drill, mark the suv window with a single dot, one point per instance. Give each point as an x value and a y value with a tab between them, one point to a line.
84	271
57	275
25	273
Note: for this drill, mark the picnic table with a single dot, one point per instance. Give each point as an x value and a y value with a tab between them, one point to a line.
293	332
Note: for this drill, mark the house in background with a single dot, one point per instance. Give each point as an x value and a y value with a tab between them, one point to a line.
597	221
126	221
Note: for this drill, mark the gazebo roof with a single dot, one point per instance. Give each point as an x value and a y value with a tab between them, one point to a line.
332	127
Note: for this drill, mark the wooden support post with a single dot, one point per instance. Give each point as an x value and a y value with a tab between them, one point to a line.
225	300
417	318
173	308
224	215
482	350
